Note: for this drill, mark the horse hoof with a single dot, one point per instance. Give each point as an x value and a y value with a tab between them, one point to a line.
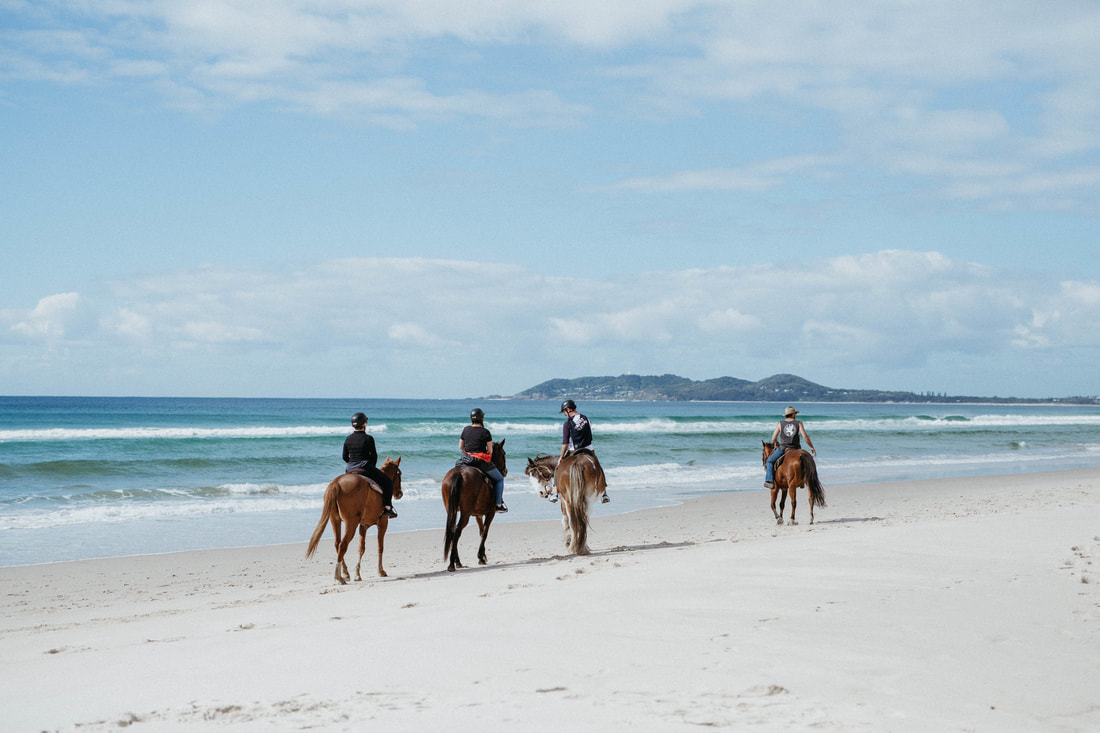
382	574
791	523
451	569
779	521
341	581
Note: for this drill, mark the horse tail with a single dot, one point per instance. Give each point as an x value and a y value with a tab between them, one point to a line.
327	510
453	498
576	506
817	491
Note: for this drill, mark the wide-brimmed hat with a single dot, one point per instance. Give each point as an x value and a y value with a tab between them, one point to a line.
790	411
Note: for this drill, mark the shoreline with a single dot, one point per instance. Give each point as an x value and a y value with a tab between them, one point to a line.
934	604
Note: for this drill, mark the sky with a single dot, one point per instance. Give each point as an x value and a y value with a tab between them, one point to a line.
430	199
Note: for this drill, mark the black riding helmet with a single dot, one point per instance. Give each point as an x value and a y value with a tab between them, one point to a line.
358	420
568	405
477	415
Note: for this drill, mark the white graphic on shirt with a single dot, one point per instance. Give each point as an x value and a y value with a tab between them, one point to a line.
790	430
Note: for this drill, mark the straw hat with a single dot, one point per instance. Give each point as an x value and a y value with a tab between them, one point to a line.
790	411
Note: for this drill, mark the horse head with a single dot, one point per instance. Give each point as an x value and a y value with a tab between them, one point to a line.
393	469
541	469
769	448
500	458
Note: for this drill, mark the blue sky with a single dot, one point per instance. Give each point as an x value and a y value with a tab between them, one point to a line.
338	198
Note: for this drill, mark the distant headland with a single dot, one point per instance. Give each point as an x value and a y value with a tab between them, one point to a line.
777	388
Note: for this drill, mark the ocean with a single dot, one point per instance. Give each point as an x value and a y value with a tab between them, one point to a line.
88	477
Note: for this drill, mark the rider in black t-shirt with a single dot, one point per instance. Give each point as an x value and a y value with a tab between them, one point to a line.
477	443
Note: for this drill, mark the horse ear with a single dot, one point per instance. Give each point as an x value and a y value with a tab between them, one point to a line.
530	462
398	461
502	442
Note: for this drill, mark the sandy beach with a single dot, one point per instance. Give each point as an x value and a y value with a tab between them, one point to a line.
968	604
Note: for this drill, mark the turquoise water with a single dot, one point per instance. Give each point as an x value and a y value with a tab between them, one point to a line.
98	477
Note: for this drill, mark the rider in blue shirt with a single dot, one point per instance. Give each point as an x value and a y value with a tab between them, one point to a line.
576	434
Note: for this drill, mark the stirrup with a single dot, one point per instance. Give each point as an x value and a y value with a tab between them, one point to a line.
502	509
606	499
553	498
389	512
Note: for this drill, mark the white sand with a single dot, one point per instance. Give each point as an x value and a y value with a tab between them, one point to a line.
951	605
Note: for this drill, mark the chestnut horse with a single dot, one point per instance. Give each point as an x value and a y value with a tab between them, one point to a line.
357	500
796	469
467	492
580	481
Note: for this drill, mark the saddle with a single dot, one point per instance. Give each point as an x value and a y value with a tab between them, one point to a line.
370	482
787	454
467	460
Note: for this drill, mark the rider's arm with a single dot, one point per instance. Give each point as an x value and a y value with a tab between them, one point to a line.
775	433
802	429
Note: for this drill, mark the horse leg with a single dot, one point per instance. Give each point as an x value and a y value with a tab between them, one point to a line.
463	520
778	516
566	523
362	549
483	528
338	536
793	491
342	574
383	524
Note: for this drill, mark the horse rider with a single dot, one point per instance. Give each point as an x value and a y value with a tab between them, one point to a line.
361	457
576	435
787	431
476	443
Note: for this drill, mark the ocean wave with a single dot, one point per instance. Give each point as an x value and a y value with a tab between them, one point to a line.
170	433
737	425
119	512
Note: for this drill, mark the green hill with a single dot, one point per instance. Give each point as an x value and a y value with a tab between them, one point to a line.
776	388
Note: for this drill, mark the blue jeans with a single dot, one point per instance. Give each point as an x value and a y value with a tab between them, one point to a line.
769	475
498	483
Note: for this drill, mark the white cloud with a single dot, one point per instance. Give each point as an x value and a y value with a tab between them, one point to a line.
404	319
414	334
998	116
52	318
756	177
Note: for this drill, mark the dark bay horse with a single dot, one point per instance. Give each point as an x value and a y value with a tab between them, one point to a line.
467	492
796	469
580	482
357	500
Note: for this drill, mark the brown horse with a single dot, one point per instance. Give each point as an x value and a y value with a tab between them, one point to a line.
357	500
467	492
796	469
580	481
